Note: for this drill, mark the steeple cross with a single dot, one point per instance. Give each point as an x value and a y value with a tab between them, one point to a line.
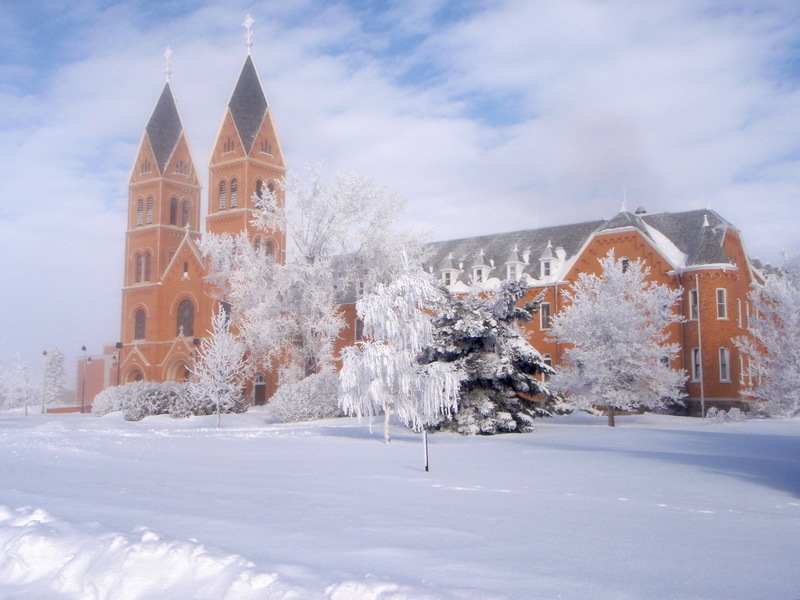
248	36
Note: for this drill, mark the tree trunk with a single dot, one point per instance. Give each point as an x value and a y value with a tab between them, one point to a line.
387	437
610	415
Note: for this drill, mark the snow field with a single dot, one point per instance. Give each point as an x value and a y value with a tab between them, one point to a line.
659	507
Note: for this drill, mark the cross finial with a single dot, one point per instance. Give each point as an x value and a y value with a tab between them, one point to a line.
168	62
248	36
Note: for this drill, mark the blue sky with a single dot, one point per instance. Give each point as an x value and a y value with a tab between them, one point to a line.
484	115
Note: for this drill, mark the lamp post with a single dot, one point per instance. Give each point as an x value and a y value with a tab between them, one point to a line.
44	381
87	360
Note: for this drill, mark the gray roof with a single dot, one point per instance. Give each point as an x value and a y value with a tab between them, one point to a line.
686	230
164	128
248	104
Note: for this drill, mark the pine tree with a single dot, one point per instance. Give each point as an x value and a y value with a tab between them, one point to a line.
772	349
383	374
54	378
615	326
498	368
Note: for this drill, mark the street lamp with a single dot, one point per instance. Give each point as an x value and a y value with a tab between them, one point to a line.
87	360
44	380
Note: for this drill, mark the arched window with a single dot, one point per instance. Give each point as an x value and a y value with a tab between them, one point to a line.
149	211
548	360
223	200
185	318
147	266
135	375
269	249
139	324
259	188
185	213
724	364
139	212
234	193
260	390
173	211
139	268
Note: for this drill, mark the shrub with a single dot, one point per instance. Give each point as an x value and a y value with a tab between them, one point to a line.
315	397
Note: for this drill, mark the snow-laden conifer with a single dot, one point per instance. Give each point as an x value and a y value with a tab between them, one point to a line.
614	326
498	368
384	374
772	350
17	389
218	374
54	378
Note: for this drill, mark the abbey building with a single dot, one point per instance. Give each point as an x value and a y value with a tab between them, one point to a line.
167	303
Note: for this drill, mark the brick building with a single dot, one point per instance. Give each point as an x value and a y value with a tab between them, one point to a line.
167	304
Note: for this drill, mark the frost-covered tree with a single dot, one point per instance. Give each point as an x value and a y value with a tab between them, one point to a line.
54	378
339	239
218	374
384	374
617	355
497	366
772	350
18	390
312	398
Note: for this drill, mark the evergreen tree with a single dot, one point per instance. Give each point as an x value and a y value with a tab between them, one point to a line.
498	368
54	378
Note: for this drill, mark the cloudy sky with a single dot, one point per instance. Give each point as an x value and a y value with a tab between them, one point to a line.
484	115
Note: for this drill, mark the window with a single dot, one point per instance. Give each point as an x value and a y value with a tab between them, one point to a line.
626	264
259	188
724	364
260	390
477	275
512	272
139	268
147	266
149	211
269	249
548	360
693	305
447	278
547	319
185	213
234	193
139	212
173	211
697	369
185	318
223	200
139	323
722	303
227	146
359	332
265	147
547	267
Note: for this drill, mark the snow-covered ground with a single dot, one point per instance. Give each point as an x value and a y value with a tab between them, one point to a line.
659	507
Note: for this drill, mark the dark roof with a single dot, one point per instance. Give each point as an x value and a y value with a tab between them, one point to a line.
248	104
702	244
164	128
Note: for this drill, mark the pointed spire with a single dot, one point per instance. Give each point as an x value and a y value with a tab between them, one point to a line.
705	221
248	104
624	207
164	128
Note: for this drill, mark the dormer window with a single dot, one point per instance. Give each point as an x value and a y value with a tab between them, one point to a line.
547	268
477	274
512	272
447	278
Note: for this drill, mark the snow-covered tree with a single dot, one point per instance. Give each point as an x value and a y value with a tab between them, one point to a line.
219	372
54	378
18	391
772	350
315	397
339	239
384	374
615	325
497	366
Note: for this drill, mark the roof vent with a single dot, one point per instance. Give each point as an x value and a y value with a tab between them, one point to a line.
641	211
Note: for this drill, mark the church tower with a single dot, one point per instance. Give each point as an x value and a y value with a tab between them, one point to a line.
246	160
163	291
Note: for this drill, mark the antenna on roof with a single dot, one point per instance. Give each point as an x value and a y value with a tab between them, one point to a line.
624	207
703	195
168	63
248	36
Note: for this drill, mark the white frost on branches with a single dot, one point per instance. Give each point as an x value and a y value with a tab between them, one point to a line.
772	349
54	378
338	238
219	372
17	389
615	326
383	374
